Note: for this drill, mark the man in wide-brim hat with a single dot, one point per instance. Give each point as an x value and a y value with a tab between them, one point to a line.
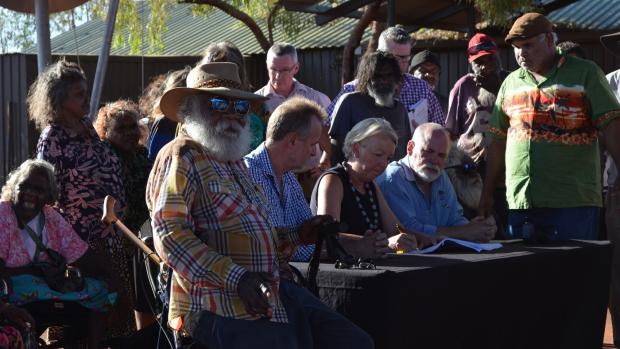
612	201
211	226
548	119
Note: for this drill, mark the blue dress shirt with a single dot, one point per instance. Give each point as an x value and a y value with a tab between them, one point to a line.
287	208
414	210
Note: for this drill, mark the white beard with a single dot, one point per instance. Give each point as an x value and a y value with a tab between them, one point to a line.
226	141
428	173
382	100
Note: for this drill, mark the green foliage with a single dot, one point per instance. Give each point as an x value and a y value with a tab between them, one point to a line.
290	23
139	24
500	12
135	21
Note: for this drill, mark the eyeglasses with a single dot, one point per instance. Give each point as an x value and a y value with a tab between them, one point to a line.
466	167
282	71
221	104
482	46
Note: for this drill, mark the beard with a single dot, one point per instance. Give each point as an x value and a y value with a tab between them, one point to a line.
226	141
427	172
383	96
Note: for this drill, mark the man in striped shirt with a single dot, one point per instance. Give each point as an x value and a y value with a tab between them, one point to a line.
211	226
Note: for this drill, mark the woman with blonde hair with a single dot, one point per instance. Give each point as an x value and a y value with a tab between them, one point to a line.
348	193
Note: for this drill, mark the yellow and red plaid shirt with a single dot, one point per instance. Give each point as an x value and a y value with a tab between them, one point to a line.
211	225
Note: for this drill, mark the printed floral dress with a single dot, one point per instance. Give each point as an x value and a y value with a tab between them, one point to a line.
86	171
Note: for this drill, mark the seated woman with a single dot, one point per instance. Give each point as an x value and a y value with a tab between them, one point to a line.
25	214
347	192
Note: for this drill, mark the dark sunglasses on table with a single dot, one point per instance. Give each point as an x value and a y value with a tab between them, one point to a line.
465	167
222	104
483	46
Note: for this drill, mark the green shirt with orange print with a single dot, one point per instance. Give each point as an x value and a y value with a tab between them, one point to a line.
550	128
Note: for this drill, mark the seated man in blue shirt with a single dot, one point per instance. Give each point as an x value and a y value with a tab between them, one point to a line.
421	194
293	132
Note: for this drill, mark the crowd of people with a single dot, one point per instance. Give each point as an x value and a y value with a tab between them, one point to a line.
237	183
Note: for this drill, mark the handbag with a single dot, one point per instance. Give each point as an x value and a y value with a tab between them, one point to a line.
57	274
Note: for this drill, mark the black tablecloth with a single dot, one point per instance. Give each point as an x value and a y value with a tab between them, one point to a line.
519	296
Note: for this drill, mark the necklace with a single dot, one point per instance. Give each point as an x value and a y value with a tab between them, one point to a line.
374	224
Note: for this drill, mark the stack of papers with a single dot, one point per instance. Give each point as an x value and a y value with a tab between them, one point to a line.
450	244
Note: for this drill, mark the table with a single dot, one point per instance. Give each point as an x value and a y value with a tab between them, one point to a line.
520	296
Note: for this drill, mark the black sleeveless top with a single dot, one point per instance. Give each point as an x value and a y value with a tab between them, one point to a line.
350	212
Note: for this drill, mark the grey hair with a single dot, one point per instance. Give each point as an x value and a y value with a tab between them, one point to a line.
396	34
554	37
424	132
365	129
24	170
280	49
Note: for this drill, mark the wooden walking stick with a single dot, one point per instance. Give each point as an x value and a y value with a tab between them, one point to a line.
109	217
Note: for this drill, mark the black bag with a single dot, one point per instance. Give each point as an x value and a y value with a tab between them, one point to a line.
57	274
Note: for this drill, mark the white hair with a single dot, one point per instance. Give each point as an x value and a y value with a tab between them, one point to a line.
365	129
226	141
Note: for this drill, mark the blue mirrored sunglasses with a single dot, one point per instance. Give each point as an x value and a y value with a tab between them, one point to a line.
221	104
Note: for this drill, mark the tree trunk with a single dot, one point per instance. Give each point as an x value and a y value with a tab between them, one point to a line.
240	15
354	40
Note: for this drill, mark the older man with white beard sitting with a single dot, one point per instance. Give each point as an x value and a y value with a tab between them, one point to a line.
211	226
377	80
421	195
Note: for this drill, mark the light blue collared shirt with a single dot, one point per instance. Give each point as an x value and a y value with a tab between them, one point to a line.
414	210
287	208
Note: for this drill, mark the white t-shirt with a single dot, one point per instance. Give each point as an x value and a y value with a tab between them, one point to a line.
611	171
31	246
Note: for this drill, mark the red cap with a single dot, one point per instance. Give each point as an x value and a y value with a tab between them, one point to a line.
480	45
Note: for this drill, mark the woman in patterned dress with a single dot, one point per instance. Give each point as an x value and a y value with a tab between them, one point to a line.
117	124
86	170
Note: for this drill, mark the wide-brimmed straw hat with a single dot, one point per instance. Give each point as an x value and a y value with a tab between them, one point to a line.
612	42
221	79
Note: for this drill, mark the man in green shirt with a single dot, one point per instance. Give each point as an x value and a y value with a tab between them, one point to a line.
545	128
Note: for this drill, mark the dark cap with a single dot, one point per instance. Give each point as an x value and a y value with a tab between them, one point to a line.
612	42
423	57
528	26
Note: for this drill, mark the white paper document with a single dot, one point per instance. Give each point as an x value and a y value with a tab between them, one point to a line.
418	113
450	243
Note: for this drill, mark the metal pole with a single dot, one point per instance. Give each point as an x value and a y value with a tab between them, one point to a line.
102	63
42	18
391	13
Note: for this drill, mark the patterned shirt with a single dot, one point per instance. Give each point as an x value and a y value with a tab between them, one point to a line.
287	208
412	92
86	171
550	128
57	235
211	225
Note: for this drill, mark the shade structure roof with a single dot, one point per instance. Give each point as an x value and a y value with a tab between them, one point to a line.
27	6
